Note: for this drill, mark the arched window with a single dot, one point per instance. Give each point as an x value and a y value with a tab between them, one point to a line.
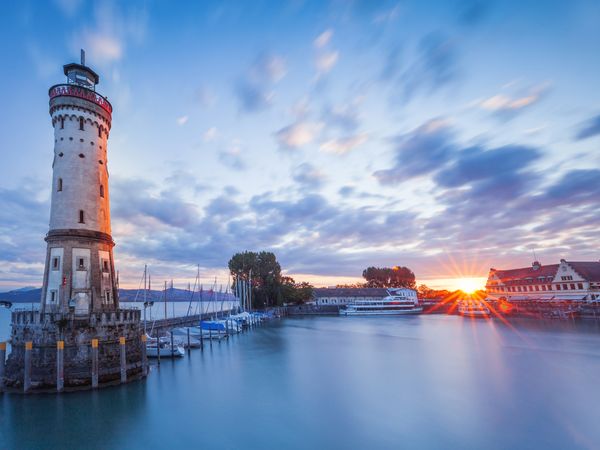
99	132
102	190
81	123
59	186
62	123
81	216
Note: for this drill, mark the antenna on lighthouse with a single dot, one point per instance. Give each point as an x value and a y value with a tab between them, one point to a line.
82	57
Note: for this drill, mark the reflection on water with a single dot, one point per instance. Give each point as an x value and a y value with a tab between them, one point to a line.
329	382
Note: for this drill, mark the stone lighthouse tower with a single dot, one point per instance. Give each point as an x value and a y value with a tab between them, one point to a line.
80	337
79	271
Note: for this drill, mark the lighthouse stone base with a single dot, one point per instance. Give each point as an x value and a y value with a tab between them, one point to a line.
45	330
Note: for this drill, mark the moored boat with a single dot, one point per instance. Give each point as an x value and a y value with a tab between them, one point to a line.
473	308
400	301
162	347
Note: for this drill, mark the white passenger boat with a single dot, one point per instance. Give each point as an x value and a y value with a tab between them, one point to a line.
473	308
400	301
154	347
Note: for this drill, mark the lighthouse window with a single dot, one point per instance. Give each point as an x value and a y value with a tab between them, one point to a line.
99	132
81	123
52	296
81	155
81	216
59	187
105	266
55	263
62	123
80	264
102	190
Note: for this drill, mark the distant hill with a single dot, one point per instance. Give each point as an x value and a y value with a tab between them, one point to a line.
33	295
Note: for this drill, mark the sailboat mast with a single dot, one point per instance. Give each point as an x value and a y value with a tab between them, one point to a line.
165	298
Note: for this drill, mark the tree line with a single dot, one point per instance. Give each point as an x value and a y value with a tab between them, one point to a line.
269	286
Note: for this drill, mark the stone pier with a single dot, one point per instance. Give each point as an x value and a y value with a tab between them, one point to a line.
68	343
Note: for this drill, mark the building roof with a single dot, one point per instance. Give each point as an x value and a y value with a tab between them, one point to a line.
590	270
350	292
525	272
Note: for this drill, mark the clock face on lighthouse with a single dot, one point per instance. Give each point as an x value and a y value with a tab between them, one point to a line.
80	274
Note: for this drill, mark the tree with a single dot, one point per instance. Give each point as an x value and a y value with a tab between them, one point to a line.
389	277
269	286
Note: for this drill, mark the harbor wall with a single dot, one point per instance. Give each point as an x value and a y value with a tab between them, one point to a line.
299	310
39	339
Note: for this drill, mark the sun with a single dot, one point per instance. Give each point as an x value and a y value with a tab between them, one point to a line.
468	285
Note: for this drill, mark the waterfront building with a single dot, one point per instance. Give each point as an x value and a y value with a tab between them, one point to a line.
566	281
344	296
79	337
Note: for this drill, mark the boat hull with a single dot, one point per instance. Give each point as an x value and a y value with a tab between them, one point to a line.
382	312
475	315
165	352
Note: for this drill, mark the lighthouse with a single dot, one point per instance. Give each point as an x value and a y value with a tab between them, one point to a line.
79	272
79	338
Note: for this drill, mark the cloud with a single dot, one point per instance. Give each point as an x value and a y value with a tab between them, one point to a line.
419	152
232	156
308	176
475	164
210	134
325	57
325	61
590	129
434	66
506	106
182	120
298	134
111	32
387	15
345	117
255	90
341	146
323	39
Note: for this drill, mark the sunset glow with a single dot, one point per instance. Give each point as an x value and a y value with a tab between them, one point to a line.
469	285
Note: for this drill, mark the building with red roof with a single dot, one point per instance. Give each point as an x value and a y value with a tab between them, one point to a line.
566	281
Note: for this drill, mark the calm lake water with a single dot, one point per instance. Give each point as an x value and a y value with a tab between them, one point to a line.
334	383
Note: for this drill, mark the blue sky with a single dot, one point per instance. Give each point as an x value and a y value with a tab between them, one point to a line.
447	136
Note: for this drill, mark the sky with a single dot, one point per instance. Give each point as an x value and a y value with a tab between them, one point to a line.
446	136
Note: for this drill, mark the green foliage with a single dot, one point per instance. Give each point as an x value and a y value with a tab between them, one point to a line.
389	277
269	286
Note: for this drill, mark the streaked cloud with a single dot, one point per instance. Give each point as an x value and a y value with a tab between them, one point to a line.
255	89
507	106
298	134
343	145
323	39
589	129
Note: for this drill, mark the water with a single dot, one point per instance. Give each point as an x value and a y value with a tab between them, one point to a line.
333	383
